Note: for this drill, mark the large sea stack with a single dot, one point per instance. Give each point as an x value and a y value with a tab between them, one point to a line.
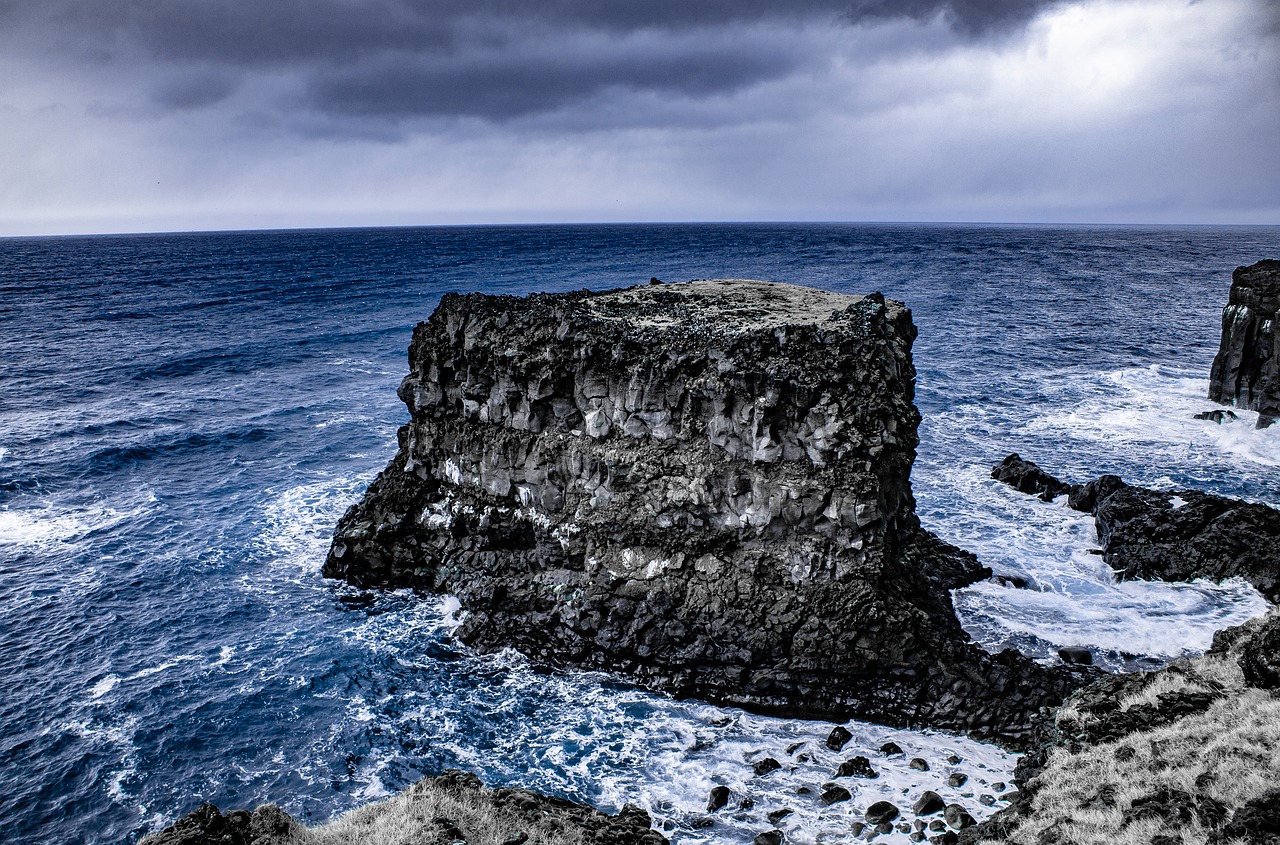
1246	370
703	486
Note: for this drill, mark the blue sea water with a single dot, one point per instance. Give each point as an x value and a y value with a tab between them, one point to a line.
184	417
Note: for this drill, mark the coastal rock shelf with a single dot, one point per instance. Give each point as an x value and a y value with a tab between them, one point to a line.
1166	535
704	486
1246	370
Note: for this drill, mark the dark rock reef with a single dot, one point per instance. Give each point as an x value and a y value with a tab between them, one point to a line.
1167	536
1246	370
703	486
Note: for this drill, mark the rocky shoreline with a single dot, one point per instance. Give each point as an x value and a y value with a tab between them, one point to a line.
1185	754
706	488
453	808
1174	535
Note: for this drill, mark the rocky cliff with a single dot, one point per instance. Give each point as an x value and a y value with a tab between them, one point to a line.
703	486
1246	370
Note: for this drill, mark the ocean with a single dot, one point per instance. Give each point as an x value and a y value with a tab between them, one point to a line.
183	418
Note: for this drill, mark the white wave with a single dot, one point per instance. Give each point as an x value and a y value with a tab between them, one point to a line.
575	734
1148	413
49	524
104	686
1073	598
297	522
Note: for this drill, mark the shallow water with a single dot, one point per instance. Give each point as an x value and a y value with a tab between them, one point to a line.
185	417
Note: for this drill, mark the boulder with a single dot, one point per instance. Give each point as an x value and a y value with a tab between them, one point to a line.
881	812
1219	416
835	795
1077	655
838	737
857	767
928	803
1246	370
704	487
718	799
1026	477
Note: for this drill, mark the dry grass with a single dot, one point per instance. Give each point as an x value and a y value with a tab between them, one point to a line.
409	818
1229	752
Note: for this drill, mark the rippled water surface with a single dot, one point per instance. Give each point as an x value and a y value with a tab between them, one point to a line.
183	418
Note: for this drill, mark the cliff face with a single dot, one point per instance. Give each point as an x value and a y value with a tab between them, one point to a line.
704	486
1246	370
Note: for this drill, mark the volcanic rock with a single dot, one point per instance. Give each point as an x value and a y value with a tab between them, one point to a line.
1181	535
718	799
1219	416
880	813
928	803
1076	654
1246	370
1026	477
838	737
835	795
858	767
702	486
507	809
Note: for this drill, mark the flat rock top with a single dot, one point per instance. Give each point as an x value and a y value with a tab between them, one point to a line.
731	306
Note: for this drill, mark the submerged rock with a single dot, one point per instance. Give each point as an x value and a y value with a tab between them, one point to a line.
1026	477
1219	416
1246	370
702	486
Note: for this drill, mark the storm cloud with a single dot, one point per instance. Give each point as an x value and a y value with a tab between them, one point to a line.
163	113
493	59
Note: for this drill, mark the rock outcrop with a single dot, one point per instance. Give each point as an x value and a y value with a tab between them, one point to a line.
1168	535
703	486
1246	370
448	809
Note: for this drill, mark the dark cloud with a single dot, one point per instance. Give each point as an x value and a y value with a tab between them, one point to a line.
186	92
492	59
503	85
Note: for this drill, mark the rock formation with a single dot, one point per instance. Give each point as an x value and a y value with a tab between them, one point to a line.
1246	370
703	486
1168	535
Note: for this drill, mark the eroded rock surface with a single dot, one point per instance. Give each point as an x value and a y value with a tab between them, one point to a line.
1168	535
1246	370
704	486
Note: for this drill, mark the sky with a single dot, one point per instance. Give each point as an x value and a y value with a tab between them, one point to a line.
172	115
